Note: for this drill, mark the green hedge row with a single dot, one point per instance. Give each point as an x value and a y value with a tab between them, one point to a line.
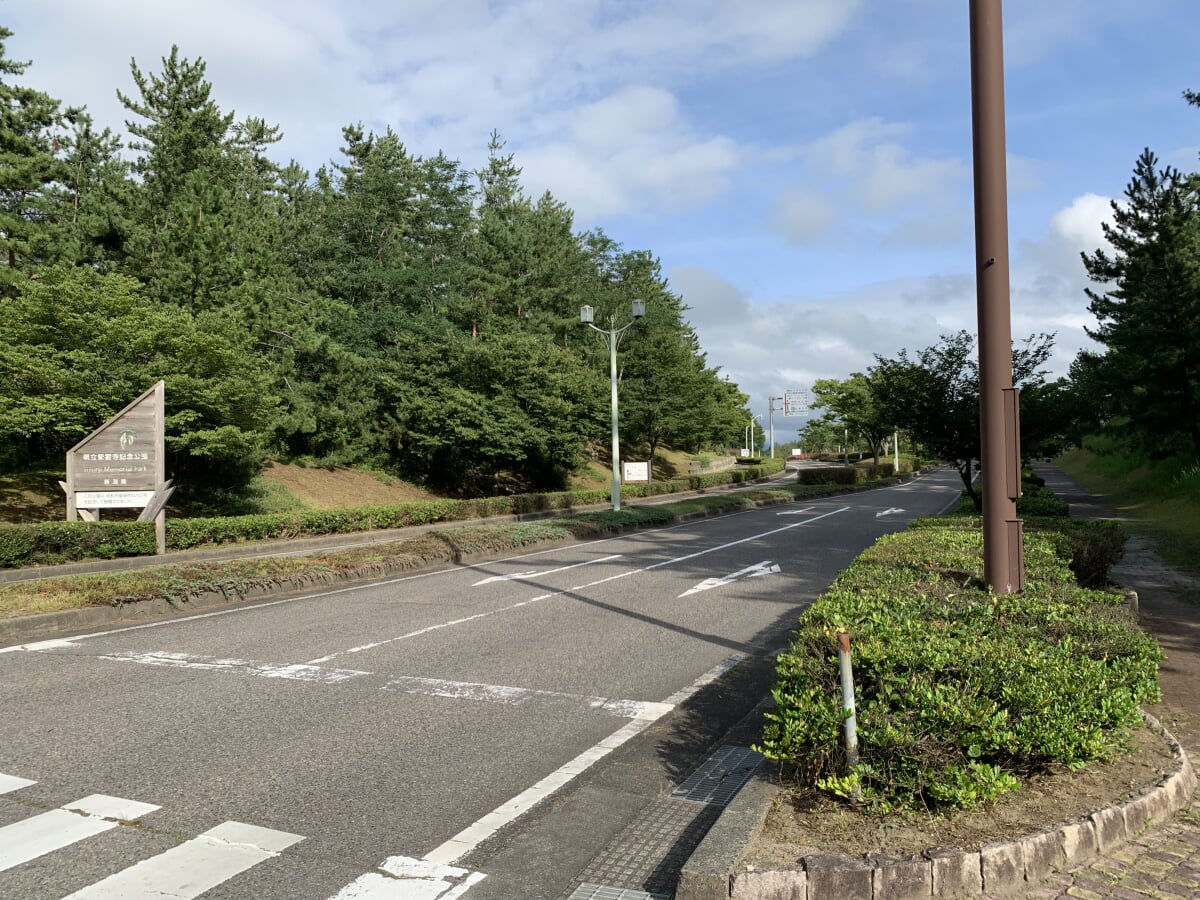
56	542
961	692
860	474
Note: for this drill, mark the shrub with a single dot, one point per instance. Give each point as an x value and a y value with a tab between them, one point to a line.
960	692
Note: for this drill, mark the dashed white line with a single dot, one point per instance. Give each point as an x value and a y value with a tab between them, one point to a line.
517	696
470	838
293	672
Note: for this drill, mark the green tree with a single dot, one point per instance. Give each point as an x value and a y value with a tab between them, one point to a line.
30	137
935	397
1148	311
851	403
80	345
199	215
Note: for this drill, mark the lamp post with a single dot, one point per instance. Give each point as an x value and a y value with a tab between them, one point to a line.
613	335
753	419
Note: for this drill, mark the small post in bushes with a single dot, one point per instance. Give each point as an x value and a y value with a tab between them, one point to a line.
849	725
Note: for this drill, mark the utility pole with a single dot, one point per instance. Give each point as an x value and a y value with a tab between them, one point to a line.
1003	558
771	409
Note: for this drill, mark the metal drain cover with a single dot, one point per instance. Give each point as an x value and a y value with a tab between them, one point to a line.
720	777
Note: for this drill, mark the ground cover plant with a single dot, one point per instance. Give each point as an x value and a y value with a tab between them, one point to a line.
961	693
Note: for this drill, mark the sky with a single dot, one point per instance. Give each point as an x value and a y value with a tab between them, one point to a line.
801	168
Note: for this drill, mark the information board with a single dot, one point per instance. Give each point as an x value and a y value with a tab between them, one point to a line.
795	403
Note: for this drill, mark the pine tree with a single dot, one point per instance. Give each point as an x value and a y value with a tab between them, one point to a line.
30	128
1148	313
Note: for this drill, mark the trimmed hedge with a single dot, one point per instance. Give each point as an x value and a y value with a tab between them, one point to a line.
47	543
960	692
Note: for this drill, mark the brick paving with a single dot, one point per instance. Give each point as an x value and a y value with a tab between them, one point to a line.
1165	862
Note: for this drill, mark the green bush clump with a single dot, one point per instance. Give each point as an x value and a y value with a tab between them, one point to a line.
960	692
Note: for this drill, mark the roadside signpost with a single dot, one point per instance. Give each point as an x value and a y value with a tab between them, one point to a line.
121	465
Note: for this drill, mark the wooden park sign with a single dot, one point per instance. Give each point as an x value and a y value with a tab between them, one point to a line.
121	465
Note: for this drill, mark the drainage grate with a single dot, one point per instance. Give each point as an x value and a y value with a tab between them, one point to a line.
720	777
600	892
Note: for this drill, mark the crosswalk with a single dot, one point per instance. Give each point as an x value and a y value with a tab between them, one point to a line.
197	865
183	872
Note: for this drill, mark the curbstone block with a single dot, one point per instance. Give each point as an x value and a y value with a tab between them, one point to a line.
1110	827
1003	867
832	875
776	884
1148	810
1043	853
1079	842
902	879
955	873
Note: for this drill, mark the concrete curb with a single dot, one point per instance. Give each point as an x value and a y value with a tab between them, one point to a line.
713	872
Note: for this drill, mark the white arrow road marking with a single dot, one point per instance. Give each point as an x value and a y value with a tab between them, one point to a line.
536	574
888	512
763	568
795	512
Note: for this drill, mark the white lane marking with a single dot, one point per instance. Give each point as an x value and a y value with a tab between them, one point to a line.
516	696
404	878
470	838
193	867
888	512
483	615
537	574
13	783
293	672
41	834
763	568
795	512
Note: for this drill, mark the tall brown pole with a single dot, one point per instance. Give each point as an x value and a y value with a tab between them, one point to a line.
1003	568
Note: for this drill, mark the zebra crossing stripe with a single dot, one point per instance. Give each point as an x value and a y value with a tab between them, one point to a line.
193	867
13	783
30	838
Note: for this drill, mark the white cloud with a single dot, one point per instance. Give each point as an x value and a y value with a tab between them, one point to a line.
863	170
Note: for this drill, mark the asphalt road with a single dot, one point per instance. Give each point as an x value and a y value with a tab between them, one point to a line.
478	731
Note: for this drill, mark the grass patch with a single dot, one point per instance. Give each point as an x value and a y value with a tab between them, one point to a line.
1159	499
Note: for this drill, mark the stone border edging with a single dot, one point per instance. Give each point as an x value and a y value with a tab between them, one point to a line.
1002	868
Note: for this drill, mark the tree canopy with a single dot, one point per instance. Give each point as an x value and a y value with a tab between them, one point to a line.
391	309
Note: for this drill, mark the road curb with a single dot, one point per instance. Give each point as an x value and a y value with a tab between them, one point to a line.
714	870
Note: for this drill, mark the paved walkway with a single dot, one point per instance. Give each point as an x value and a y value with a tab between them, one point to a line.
1164	863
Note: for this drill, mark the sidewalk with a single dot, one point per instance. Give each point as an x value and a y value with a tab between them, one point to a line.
1164	863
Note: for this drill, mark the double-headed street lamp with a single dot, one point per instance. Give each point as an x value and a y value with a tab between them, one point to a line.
613	334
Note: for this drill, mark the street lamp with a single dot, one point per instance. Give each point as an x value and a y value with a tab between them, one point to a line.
613	334
753	419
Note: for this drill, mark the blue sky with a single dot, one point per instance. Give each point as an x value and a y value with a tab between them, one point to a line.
802	168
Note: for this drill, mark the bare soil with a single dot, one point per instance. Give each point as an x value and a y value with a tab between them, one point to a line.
341	488
805	822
